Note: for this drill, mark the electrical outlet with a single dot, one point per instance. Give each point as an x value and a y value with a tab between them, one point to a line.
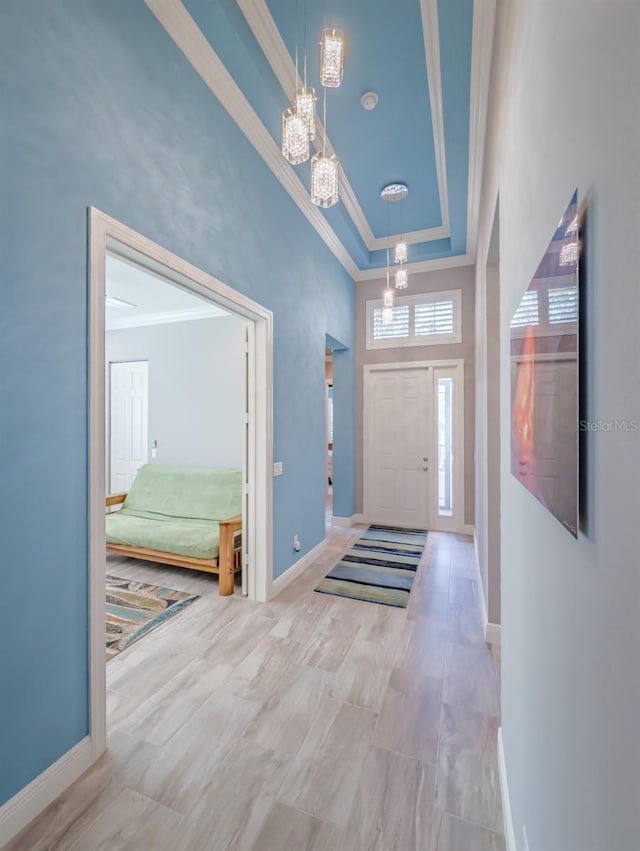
277	468
296	544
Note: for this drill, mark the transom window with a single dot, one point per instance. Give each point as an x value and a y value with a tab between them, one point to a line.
418	320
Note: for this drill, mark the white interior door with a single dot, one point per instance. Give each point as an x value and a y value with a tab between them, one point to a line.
398	447
129	422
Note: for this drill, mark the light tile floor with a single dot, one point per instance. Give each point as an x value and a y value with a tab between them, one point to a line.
310	722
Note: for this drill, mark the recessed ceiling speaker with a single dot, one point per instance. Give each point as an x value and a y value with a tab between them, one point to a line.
369	100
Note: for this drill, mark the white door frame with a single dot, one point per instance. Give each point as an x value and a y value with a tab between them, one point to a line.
435	522
107	234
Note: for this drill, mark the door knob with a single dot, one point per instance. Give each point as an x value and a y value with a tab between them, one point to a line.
425	469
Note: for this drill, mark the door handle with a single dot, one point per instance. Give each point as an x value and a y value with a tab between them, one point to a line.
425	469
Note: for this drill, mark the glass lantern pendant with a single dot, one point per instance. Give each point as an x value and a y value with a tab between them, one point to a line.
324	180
387	298
295	137
305	106
331	58
387	315
402	279
400	255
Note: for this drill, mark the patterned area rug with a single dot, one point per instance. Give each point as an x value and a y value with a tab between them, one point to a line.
135	608
379	568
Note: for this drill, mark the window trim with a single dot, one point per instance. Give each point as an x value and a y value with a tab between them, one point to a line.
455	296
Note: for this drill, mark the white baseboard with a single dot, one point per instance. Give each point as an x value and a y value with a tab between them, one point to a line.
492	634
280	583
509	832
468	529
354	520
34	798
483	602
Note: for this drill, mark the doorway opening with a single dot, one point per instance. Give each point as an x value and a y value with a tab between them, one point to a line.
414	445
138	419
328	376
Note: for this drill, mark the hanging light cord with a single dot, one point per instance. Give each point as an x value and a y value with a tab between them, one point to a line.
295	82
304	44
324	124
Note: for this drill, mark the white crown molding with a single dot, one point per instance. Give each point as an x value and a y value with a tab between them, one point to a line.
268	36
484	13
411	238
176	20
431	31
421	266
275	50
164	318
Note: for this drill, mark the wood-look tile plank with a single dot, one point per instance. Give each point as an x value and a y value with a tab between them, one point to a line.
467	773
260	672
363	676
469	787
283	721
119	708
454	834
130	823
392	807
470	678
323	777
140	675
158	718
410	717
287	829
191	758
299	621
232	646
329	643
64	821
235	801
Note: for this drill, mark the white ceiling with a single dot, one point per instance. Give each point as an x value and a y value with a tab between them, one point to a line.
155	300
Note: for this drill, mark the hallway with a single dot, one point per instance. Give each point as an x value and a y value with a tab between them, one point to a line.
311	722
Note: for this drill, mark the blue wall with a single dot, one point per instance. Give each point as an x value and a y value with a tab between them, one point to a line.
100	108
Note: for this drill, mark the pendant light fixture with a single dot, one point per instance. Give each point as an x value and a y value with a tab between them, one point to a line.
387	299
401	278
331	57
393	193
387	306
296	120
305	97
295	137
400	254
305	107
325	171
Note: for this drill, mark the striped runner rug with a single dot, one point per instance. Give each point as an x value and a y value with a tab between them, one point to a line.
379	568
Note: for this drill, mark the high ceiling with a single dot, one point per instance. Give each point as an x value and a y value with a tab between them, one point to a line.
426	131
135	296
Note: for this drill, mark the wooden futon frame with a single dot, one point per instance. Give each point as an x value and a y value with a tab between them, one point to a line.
226	565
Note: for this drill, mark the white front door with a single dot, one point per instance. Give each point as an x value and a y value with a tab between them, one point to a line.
129	418
398	438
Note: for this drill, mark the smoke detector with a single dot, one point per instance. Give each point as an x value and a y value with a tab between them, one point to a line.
369	100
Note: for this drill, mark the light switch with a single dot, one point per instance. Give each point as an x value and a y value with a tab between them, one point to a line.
277	468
